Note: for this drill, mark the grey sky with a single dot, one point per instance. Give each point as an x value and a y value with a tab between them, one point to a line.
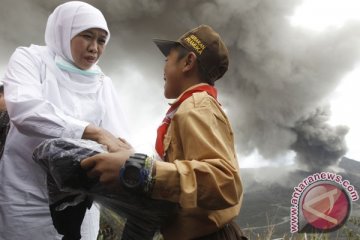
278	83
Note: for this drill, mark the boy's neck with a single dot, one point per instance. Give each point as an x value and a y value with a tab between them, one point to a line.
190	82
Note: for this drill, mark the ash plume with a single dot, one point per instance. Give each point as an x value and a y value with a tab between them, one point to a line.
279	75
319	145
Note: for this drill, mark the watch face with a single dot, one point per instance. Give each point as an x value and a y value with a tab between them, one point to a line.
132	176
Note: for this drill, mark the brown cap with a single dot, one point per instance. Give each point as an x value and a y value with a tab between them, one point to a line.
210	50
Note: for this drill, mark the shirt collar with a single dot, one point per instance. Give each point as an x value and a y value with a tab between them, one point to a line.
192	87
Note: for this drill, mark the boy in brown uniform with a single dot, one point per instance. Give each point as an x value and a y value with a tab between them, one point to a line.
200	170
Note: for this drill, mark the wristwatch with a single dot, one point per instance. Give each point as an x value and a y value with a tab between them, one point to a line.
133	174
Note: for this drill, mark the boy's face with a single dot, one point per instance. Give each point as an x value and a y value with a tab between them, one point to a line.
172	75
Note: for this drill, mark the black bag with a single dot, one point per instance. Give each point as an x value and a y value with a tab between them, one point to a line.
69	186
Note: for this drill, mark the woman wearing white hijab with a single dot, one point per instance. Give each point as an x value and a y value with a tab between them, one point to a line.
54	91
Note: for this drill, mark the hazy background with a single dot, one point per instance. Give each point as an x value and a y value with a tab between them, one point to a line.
291	92
283	74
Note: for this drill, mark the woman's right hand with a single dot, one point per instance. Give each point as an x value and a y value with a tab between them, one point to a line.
104	137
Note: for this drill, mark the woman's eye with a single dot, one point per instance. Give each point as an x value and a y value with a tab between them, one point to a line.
87	36
101	41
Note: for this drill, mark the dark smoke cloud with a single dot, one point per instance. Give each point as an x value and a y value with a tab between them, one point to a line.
319	145
279	75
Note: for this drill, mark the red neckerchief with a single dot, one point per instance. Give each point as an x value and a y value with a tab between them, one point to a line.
159	146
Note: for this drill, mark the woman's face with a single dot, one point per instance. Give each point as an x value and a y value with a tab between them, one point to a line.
87	47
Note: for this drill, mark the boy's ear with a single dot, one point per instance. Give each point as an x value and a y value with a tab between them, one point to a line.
190	61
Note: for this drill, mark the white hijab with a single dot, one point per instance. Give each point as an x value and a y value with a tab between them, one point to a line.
65	22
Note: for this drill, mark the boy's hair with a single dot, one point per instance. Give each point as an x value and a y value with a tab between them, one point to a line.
1	88
182	52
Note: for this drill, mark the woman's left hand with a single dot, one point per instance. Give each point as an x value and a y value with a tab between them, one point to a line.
104	137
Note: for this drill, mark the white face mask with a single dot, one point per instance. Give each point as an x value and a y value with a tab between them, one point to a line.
66	21
69	67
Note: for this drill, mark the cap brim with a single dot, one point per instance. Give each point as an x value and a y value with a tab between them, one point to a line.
165	45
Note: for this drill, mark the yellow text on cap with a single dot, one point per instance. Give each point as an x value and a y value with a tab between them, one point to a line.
195	43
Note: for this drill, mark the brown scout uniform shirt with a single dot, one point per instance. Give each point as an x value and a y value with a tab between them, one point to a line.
200	171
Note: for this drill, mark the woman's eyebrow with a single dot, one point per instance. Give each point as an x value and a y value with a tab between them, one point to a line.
104	34
88	31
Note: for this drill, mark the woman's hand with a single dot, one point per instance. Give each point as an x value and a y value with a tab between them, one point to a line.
104	137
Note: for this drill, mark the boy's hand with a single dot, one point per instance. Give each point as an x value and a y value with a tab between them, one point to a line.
106	167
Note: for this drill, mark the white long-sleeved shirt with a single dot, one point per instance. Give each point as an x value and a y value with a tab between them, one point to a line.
42	105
